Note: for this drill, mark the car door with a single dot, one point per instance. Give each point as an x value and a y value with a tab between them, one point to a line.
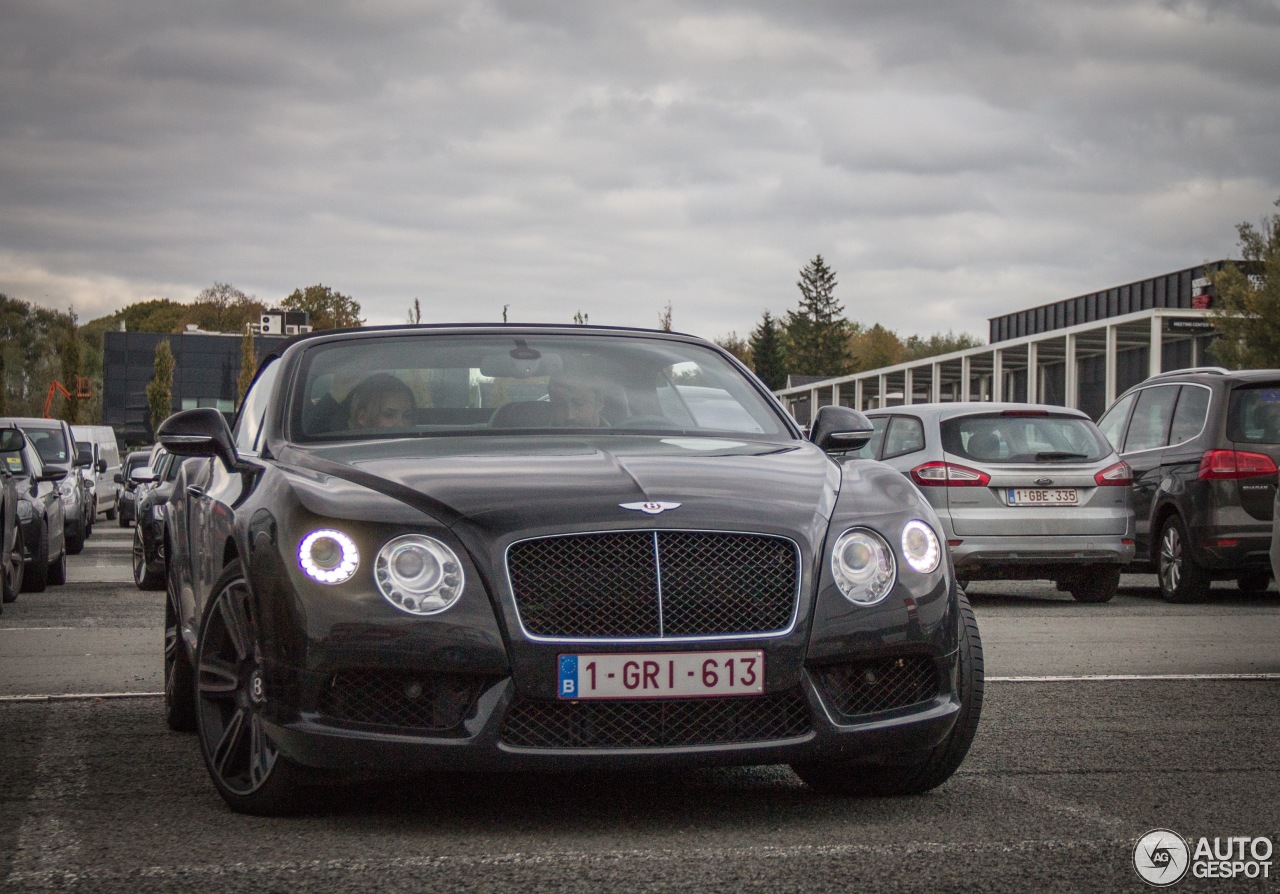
1145	439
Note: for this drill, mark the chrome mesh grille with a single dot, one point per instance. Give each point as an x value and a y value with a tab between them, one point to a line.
865	687
661	723
654	584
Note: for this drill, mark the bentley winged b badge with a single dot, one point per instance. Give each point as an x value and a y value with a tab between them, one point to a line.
651	507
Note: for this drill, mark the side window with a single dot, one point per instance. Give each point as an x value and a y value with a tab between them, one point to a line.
1112	422
870	450
1189	416
906	435
251	420
1151	415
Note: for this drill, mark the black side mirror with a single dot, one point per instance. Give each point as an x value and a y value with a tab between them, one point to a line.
119	478
83	462
840	428
11	440
101	466
202	431
53	473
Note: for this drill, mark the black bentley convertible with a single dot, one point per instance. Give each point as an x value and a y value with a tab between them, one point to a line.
550	548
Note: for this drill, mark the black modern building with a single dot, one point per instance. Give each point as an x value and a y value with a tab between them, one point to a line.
205	374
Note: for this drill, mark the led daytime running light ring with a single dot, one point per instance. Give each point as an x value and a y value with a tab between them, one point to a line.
926	559
330	572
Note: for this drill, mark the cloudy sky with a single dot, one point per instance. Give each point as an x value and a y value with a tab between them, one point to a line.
950	161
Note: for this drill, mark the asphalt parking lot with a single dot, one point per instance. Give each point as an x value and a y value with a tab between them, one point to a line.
1100	724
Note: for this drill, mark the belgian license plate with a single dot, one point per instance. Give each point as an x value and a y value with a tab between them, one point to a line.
662	675
1043	496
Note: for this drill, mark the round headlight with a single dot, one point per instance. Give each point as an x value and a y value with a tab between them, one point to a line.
329	557
863	566
419	574
920	546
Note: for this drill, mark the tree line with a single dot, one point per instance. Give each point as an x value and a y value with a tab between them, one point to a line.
40	346
815	338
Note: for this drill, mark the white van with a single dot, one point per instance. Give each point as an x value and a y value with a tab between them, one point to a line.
104	452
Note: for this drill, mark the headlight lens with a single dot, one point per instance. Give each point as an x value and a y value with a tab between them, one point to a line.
863	566
419	574
920	546
24	510
67	489
328	556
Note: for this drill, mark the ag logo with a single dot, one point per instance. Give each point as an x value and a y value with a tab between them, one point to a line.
652	507
1161	857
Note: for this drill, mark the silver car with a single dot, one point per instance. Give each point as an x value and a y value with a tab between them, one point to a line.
1024	491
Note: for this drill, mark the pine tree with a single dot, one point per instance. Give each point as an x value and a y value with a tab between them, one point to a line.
160	388
248	365
767	352
817	332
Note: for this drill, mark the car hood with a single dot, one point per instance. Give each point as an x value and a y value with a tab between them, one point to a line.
507	486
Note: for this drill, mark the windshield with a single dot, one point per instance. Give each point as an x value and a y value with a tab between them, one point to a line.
450	384
49	443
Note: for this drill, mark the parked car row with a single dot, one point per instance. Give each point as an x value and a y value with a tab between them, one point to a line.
1178	478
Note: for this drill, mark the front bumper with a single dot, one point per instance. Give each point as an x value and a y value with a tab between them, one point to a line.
494	736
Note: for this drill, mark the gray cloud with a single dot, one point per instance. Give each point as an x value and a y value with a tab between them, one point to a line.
950	161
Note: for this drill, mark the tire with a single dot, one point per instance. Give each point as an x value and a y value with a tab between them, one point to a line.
1182	579
179	678
37	576
13	570
75	539
1095	584
1253	582
111	514
936	766
143	576
244	765
121	520
58	570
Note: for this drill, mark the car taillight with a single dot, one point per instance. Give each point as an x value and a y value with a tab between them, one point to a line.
1225	464
1116	475
940	474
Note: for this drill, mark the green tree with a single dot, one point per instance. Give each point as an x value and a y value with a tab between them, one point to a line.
735	345
918	347
817	332
248	365
1247	309
664	318
70	358
160	388
328	309
223	308
876	347
768	352
415	313
580	319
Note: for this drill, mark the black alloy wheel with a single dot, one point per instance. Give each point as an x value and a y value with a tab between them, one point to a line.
179	678
1182	578
143	576
37	575
936	765
231	693
13	568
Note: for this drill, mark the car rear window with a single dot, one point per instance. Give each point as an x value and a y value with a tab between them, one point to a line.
1253	414
1024	438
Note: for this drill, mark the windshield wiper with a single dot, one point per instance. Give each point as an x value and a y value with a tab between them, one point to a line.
1055	455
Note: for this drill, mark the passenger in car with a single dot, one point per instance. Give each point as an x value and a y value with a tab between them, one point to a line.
576	401
381	401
